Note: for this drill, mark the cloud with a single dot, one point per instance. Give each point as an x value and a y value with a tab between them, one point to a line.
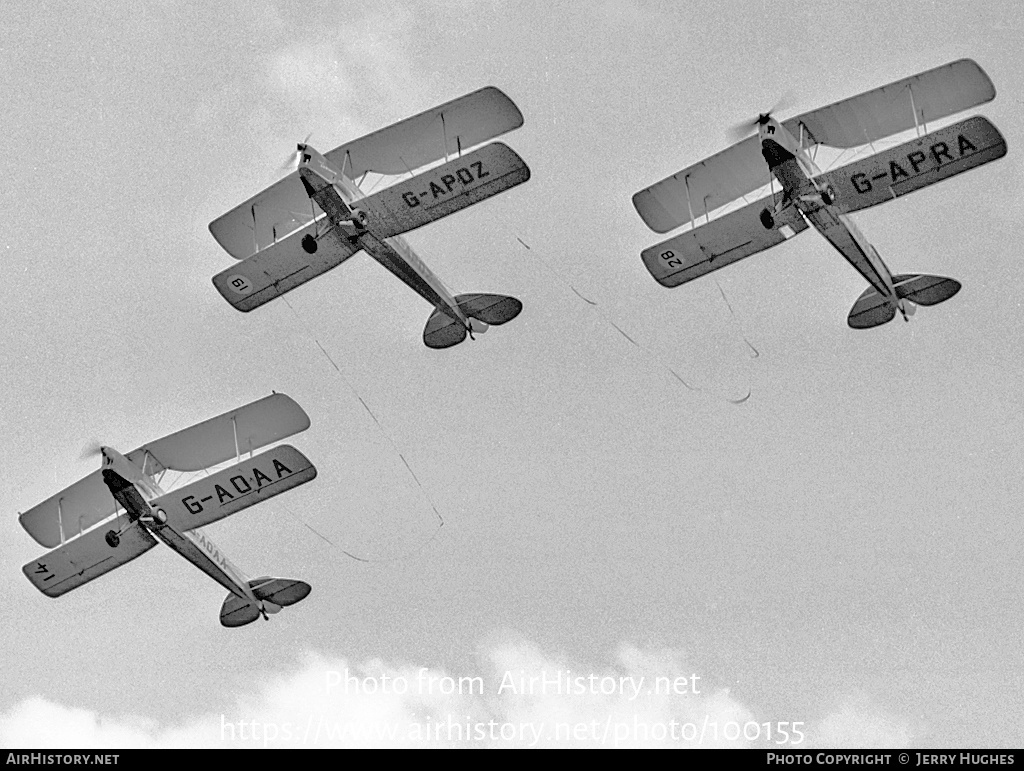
519	696
860	723
347	77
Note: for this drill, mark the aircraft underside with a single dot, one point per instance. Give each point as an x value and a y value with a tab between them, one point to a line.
385	252
838	229
247	600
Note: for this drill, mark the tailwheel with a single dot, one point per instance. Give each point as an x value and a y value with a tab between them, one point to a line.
907	308
112	538
767	219
309	244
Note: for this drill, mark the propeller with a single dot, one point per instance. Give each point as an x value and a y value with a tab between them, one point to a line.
91	449
742	130
292	161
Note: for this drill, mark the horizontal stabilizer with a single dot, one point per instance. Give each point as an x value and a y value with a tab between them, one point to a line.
871	310
443	330
227	492
916	164
436	193
720	242
90	556
238	612
925	290
280	591
493	309
274	593
281	267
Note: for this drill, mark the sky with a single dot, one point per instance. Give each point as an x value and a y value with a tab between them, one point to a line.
834	562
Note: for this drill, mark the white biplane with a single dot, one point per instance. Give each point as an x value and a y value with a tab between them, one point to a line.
825	200
317	217
92	535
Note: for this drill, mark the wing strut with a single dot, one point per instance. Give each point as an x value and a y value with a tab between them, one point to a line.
913	108
689	204
444	137
234	428
60	519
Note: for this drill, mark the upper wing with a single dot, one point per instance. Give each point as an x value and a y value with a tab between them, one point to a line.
218	439
265	218
859	120
439	192
437	133
281	267
916	164
447	130
83	559
691	193
719	243
88	501
73	510
890	109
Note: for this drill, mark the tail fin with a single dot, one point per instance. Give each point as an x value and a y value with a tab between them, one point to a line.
272	594
444	330
872	309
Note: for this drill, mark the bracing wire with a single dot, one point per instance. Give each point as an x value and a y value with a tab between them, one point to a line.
622	332
391	442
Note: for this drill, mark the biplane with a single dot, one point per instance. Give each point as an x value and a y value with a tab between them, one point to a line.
825	200
317	217
119	512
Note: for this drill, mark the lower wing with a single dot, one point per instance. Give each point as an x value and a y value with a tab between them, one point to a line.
86	557
227	492
438	192
916	164
720	242
281	267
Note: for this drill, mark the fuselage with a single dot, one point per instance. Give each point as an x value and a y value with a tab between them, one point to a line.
796	172
133	489
338	197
